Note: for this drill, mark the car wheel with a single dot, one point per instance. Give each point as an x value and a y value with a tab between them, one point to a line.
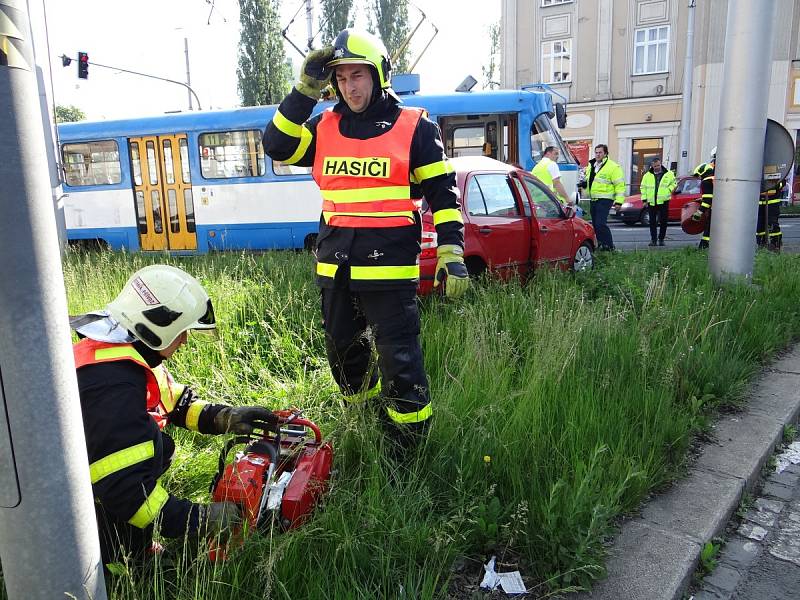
584	258
644	218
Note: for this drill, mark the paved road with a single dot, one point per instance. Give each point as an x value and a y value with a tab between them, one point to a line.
761	561
636	237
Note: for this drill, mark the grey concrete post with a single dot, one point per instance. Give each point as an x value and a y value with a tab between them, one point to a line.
48	533
686	103
188	74
740	145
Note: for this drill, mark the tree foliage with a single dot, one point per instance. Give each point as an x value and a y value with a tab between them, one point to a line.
264	72
69	114
390	17
335	17
491	71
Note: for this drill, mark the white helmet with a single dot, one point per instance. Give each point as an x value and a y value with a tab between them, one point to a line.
714	153
159	303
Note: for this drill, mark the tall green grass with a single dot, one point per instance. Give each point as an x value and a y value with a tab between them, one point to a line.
558	406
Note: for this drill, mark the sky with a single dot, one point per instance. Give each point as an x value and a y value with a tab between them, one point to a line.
148	36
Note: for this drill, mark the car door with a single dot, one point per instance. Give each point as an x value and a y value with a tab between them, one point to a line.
687	190
494	223
555	232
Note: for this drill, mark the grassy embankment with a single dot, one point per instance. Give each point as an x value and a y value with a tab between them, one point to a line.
583	390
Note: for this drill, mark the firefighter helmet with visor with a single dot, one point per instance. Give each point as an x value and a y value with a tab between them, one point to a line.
159	303
356	47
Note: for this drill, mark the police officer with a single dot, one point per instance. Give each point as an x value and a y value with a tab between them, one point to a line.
373	161
706	199
605	184
128	396
768	229
657	186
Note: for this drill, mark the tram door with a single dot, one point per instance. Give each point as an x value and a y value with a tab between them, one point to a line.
162	189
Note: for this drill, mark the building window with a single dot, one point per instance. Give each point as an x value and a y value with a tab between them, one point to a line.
650	50
554	2
557	61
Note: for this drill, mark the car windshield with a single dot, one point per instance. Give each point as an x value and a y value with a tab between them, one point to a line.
688	186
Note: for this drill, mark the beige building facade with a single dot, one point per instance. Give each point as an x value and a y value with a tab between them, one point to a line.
620	64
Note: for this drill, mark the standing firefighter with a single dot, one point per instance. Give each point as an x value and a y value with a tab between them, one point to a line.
373	161
128	396
768	228
706	198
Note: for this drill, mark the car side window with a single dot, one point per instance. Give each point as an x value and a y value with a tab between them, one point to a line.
498	195
474	201
526	206
546	207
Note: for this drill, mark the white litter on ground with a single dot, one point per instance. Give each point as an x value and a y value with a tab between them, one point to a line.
511	583
790	456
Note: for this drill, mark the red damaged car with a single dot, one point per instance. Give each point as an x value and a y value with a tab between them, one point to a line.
512	224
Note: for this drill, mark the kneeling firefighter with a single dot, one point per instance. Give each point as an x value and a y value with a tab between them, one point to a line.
128	396
373	161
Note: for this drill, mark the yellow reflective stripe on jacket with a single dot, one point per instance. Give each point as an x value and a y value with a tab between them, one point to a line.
443	167
302	147
118	352
150	508
286	126
390	272
446	215
121	459
193	414
399	192
326	269
412	417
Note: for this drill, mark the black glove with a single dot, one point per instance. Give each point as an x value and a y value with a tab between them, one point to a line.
243	420
219	518
313	74
582	185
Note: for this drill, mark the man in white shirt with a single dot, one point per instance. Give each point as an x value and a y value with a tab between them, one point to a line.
547	171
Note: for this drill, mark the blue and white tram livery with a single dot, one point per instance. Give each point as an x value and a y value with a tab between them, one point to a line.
199	181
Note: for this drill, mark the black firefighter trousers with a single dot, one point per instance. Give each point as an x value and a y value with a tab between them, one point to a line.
392	317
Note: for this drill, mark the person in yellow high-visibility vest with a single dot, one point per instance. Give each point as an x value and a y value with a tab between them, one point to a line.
656	187
605	183
547	171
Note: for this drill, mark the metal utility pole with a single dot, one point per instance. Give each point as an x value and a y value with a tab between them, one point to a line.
742	126
310	23
188	74
48	532
686	105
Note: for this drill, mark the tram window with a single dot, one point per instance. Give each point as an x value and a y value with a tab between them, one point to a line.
227	154
185	173
542	136
189	207
141	215
169	166
468	141
92	163
280	168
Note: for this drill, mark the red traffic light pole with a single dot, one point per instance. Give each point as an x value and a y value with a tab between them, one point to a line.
65	61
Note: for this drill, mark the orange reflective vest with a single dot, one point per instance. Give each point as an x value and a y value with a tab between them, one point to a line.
366	183
162	391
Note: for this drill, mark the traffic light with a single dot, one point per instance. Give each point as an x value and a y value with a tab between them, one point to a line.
83	65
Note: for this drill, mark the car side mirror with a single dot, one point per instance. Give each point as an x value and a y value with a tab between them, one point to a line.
569	212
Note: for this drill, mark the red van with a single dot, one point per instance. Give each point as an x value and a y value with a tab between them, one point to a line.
512	224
